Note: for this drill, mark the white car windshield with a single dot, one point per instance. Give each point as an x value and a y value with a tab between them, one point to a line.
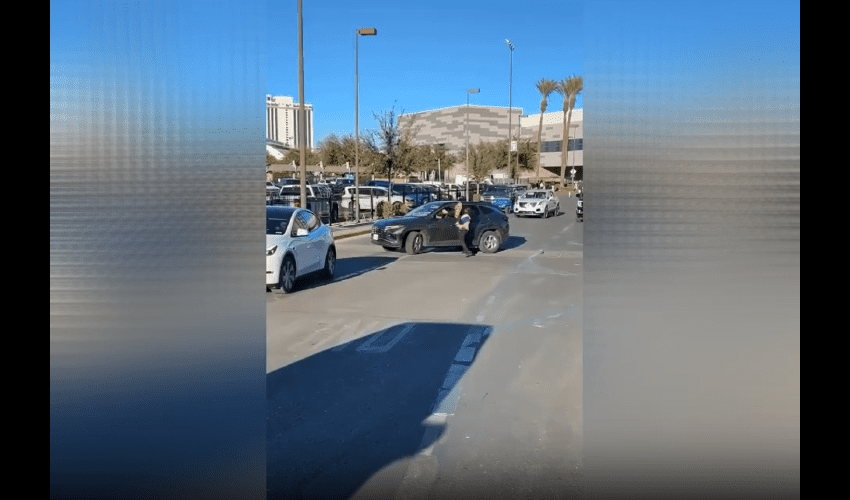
277	225
535	194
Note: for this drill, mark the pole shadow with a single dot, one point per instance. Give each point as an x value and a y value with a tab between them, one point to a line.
341	415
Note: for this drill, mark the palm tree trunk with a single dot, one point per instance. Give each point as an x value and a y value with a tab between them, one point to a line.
567	140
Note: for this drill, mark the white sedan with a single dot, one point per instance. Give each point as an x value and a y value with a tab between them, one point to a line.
541	202
297	244
370	197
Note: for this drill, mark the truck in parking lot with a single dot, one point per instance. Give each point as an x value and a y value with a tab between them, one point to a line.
320	200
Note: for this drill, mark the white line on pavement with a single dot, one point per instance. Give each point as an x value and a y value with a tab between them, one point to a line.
481	316
367	346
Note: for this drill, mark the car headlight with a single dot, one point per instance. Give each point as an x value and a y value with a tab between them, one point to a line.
271	250
392	229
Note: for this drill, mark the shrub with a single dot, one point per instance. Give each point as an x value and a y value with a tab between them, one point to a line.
385	209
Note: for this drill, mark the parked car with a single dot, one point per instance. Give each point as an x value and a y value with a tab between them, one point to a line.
297	244
580	207
287	181
433	225
370	197
379	183
501	196
415	194
339	184
320	200
542	202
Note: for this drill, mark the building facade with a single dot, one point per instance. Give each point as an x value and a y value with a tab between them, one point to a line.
448	126
282	124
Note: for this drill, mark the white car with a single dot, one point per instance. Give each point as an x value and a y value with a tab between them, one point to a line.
540	202
370	197
297	244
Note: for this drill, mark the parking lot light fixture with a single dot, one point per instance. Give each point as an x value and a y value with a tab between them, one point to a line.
357	34
469	91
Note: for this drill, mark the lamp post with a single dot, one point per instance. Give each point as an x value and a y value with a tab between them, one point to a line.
574	126
302	146
357	33
469	91
510	104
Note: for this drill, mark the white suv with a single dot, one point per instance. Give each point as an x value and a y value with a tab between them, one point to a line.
540	202
370	197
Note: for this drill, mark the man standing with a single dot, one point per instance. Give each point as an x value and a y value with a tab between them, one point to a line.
462	226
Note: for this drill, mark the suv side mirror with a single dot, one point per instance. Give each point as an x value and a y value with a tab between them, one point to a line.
300	232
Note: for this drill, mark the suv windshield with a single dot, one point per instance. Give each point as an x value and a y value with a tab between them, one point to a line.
424	210
498	191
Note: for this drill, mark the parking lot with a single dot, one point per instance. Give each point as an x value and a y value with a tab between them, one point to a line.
408	376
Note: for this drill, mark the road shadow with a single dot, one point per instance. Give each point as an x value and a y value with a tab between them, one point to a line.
512	242
346	267
339	416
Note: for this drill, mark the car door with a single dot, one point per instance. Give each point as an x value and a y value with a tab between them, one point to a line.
300	244
316	244
476	219
441	228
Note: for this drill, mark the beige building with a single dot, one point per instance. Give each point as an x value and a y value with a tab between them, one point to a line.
449	126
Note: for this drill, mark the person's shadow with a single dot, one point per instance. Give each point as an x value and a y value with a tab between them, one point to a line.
339	416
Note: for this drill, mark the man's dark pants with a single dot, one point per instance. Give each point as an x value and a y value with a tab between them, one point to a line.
461	234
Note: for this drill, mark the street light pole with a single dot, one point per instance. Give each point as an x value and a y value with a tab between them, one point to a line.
357	33
301	118
469	91
510	105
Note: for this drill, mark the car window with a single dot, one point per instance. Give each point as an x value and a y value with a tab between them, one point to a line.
311	222
277	224
298	223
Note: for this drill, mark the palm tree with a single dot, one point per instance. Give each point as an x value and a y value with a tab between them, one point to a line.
545	87
569	88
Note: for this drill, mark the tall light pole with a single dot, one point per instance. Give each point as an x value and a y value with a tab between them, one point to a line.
510	104
469	91
357	33
301	118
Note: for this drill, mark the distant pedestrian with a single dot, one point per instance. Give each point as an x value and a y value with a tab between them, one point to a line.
462	226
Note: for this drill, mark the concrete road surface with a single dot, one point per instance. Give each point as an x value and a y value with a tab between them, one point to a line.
432	376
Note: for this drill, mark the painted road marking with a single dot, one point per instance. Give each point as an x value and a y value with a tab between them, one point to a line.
367	346
483	314
444	406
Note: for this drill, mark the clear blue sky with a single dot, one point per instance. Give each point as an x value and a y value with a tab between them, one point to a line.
425	56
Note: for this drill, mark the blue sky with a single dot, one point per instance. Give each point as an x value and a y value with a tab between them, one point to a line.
425	56
199	59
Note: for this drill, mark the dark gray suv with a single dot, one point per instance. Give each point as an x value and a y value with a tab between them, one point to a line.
433	225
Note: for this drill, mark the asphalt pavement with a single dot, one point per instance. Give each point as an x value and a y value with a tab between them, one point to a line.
431	376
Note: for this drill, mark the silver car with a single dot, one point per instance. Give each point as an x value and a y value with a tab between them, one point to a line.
297	244
539	202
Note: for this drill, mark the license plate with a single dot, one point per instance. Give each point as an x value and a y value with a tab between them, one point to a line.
375	236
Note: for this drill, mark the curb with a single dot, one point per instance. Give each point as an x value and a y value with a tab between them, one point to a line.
353	233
